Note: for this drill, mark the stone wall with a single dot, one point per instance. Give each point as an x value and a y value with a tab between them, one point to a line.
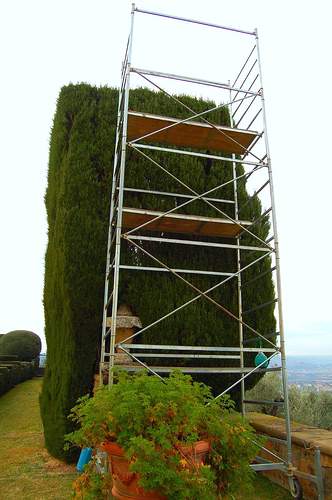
305	440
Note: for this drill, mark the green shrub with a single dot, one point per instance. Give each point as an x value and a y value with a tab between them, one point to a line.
21	343
151	420
311	407
307	406
77	202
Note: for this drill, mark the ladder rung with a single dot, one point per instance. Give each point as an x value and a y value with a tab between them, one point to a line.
109	300
256	308
264	214
255	194
110	268
255	339
275	440
259	276
107	332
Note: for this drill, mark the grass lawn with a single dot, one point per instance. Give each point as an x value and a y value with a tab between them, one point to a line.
263	489
27	471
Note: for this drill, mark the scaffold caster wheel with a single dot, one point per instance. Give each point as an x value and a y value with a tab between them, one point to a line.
295	488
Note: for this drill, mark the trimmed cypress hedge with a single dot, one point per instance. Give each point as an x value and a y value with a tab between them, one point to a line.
77	202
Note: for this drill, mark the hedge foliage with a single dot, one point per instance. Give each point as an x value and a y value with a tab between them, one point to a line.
77	202
15	372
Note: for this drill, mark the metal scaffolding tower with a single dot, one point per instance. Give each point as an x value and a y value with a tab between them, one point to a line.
240	143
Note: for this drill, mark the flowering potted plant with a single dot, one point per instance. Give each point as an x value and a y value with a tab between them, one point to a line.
166	439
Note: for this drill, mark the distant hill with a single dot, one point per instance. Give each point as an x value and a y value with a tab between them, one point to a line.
310	370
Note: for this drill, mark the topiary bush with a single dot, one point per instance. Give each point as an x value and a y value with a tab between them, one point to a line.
24	344
77	203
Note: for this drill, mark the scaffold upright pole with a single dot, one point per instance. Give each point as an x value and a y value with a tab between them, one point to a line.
278	273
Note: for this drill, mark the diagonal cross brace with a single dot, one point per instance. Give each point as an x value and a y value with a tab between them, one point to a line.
197	115
198	196
201	293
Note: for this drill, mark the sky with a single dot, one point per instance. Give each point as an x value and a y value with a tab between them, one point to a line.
46	44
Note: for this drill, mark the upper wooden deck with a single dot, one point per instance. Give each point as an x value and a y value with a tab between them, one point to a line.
190	134
181	223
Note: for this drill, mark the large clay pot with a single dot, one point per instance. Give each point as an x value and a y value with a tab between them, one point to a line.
195	453
125	483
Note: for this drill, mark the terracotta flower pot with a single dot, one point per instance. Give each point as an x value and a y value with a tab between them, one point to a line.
125	483
196	452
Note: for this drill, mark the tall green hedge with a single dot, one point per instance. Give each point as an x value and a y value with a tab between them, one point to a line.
77	201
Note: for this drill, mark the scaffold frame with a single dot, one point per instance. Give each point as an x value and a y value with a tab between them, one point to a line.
245	101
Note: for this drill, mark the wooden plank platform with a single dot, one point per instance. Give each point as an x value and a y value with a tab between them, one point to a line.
196	135
181	223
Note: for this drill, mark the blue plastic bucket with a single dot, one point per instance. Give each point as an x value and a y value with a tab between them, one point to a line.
84	459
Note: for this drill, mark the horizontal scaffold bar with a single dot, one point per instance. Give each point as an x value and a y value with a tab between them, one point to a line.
263	402
198	243
195	21
198	369
197	348
187	271
191	79
189	356
194	153
268	466
177	195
